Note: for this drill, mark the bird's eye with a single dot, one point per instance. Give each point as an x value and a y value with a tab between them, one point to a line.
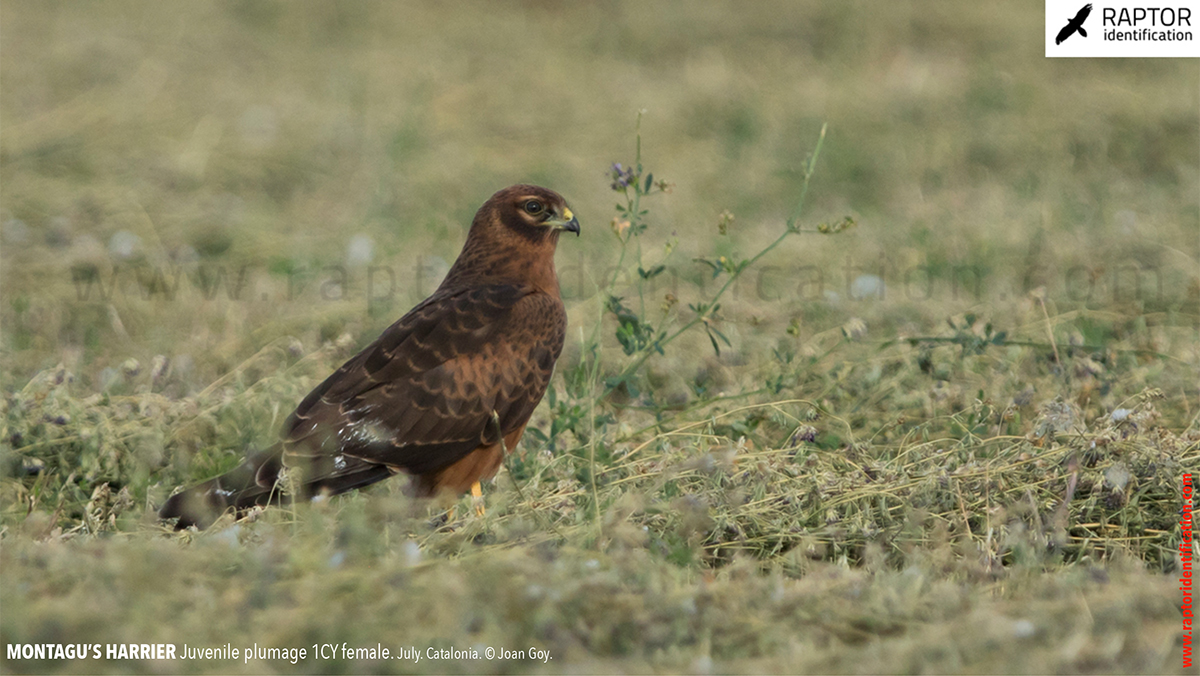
534	207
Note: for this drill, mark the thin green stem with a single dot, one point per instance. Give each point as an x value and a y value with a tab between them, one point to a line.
791	229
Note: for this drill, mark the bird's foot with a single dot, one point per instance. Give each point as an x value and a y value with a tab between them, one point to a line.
477	498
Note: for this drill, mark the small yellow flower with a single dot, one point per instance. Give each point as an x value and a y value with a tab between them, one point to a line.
846	223
724	220
620	226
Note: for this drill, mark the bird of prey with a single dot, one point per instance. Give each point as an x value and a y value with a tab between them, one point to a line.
1075	24
442	393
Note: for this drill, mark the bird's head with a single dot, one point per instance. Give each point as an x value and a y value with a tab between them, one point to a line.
533	212
513	238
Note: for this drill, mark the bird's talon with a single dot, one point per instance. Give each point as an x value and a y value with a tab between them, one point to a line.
477	498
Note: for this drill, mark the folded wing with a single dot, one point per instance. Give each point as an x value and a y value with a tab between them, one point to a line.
422	396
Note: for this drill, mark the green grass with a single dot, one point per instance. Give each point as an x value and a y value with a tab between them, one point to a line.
904	458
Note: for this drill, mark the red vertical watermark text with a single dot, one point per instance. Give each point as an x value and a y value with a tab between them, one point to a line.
1185	574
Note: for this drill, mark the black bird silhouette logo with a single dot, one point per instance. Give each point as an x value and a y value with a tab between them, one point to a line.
1074	25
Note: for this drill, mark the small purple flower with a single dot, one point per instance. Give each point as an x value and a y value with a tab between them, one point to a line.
803	433
622	177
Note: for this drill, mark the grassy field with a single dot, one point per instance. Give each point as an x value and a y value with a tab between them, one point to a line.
934	419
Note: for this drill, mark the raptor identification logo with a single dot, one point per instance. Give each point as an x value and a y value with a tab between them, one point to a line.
1122	28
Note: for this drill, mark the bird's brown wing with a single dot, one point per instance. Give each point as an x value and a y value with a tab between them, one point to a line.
422	396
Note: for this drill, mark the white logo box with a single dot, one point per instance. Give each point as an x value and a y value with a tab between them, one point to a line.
1123	29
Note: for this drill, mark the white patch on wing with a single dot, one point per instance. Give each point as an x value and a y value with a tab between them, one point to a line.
364	433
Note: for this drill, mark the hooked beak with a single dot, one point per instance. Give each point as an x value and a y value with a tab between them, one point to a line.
568	222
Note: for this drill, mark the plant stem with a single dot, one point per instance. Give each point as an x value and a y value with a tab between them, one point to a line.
791	229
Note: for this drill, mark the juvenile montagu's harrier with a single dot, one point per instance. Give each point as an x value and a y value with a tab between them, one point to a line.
434	394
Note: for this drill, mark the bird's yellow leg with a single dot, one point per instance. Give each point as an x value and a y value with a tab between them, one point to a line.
477	498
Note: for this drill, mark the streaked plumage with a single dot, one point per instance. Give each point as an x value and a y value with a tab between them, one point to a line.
425	397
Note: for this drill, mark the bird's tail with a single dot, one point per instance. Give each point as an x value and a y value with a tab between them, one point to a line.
257	482
254	482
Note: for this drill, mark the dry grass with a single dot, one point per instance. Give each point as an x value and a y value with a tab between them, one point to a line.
851	486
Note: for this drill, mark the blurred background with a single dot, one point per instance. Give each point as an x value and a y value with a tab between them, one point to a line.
190	181
948	439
